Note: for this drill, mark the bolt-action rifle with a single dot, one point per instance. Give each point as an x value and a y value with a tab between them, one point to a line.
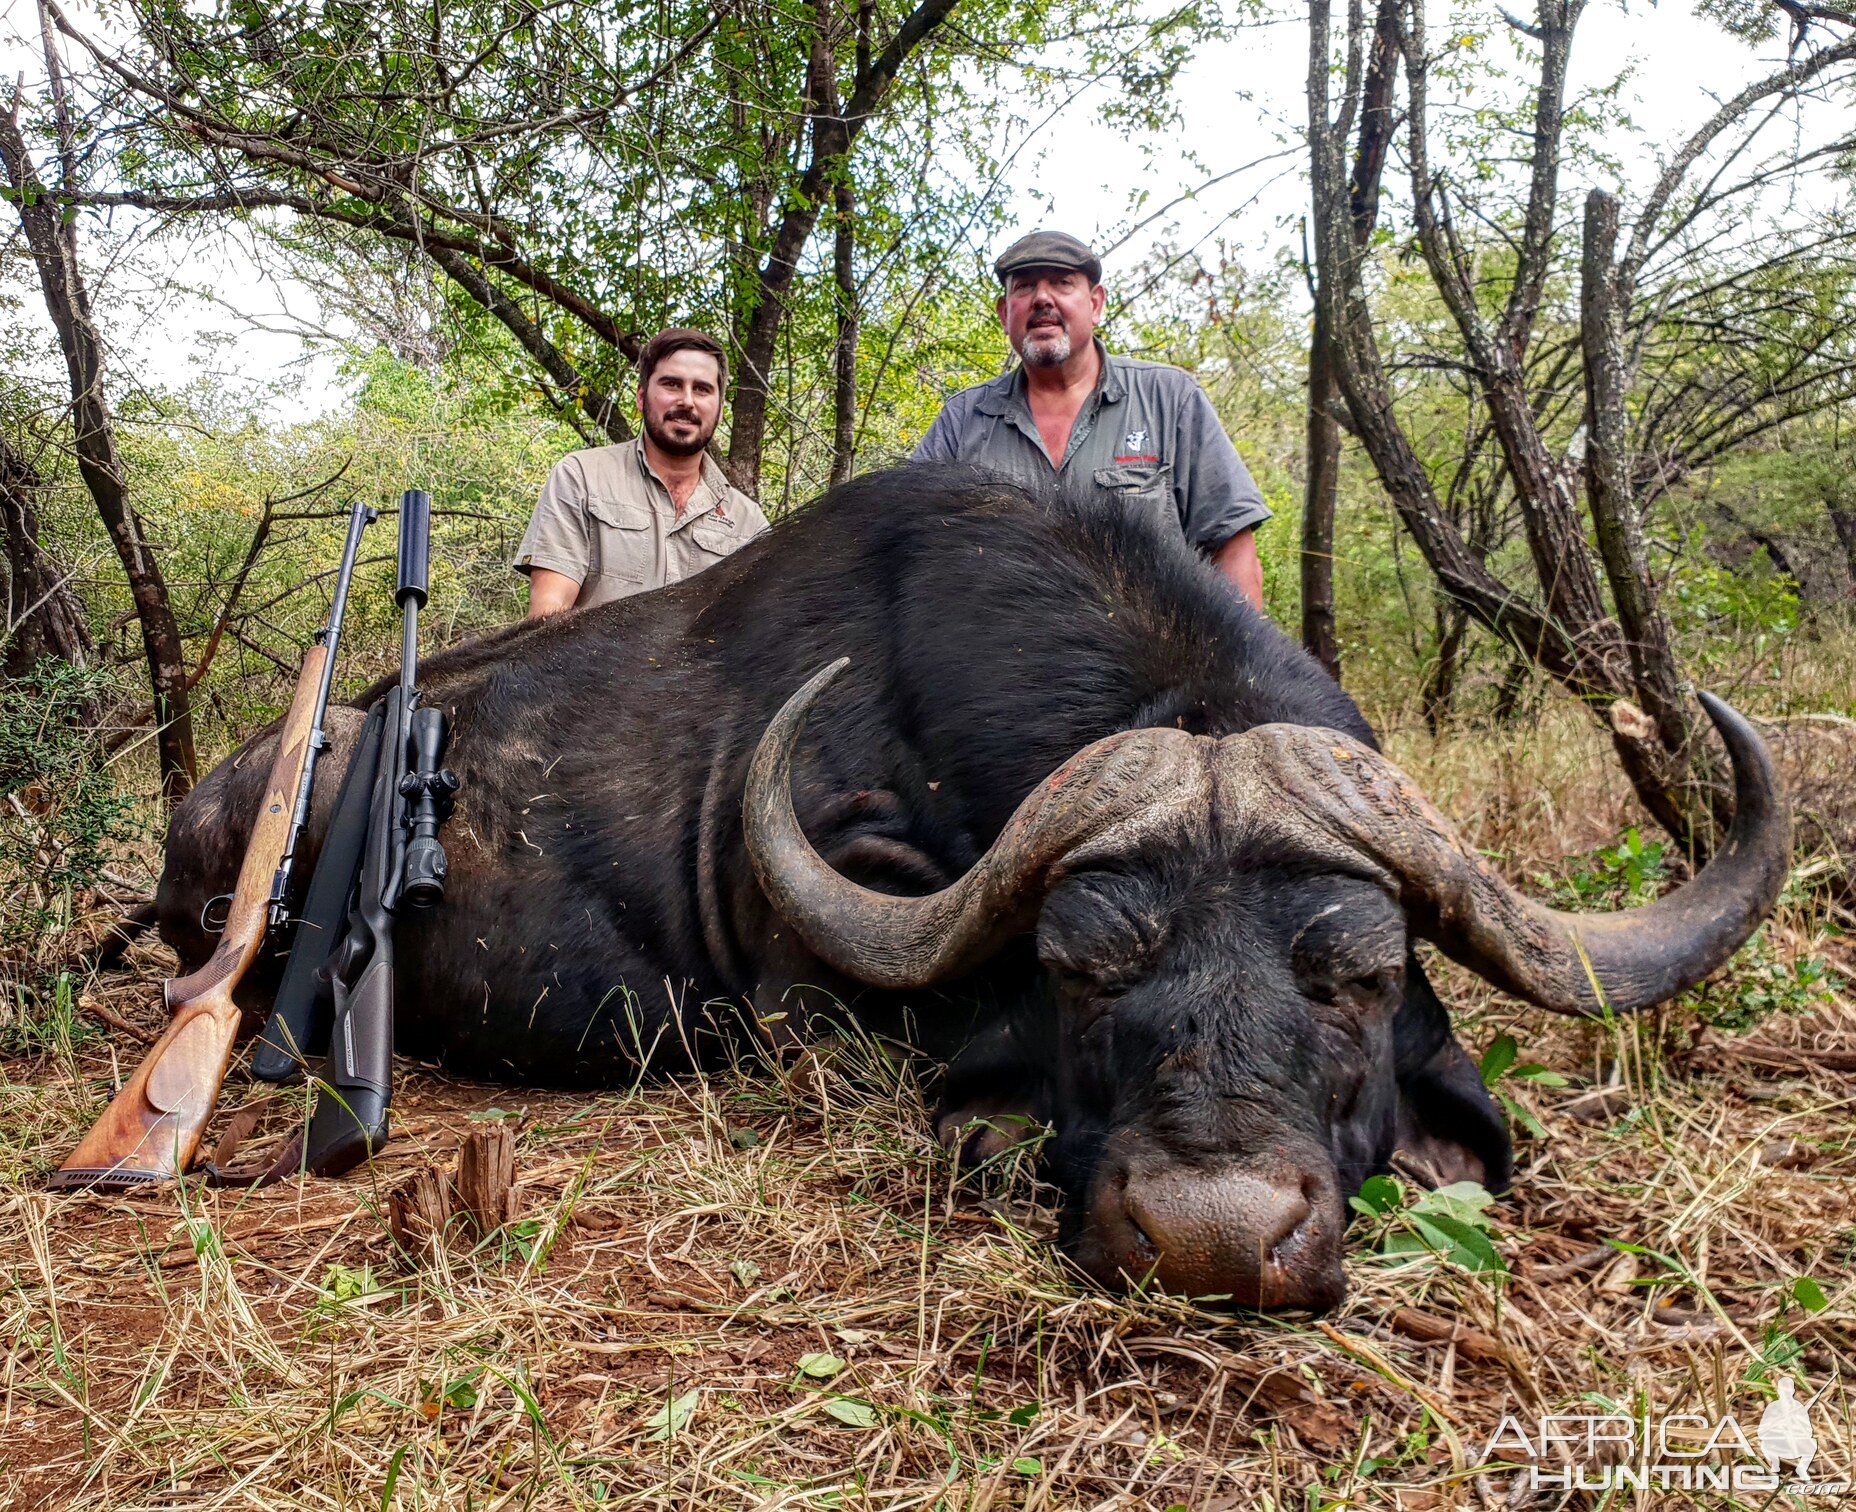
402	866
151	1129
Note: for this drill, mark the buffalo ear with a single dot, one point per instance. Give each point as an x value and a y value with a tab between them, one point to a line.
1448	1124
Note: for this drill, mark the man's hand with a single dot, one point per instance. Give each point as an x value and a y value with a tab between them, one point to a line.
1237	559
551	592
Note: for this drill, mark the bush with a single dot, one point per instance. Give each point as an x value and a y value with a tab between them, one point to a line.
60	811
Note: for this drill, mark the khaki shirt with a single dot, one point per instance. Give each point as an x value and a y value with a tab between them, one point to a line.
1147	436
606	520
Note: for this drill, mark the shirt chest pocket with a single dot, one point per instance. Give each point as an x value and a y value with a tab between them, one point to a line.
627	548
1146	484
714	535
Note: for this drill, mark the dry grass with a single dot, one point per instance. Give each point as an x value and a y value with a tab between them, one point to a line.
681	1248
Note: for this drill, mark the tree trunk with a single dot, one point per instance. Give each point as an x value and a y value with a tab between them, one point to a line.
834	132
1319	490
52	239
1439	693
1670	772
1623	666
1843	521
43	615
844	354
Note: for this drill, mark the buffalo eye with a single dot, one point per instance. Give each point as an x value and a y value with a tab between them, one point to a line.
1352	956
1362	988
1097	938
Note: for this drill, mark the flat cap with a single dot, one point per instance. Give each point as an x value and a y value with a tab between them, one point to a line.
1048	249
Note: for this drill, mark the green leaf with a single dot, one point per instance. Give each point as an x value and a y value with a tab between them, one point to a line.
852	1413
820	1366
1521	1116
674	1416
744	1271
1464	1244
1023	1417
1026	1465
1535	1072
1380	1194
1461	1200
1810	1296
1501	1054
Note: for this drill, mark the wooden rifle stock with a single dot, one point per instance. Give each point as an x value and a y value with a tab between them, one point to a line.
151	1129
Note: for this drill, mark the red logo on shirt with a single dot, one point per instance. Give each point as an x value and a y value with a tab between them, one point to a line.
1139	457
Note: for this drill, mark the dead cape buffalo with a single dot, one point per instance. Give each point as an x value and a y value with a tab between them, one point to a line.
1072	818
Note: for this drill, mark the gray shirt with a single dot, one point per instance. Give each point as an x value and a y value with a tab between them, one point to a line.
1147	435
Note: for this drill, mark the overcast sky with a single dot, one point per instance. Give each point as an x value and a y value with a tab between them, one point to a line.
1242	102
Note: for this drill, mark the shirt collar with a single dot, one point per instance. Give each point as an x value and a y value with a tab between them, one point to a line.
1006	393
711	489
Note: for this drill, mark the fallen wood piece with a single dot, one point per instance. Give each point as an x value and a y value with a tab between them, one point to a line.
96	1010
1597	1105
1427	1328
1588	1260
1783	1057
1786	1154
419	1211
485	1183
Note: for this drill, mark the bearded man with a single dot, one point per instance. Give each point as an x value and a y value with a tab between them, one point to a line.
1098	425
618	520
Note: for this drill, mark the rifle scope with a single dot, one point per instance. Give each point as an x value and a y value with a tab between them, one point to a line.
427	789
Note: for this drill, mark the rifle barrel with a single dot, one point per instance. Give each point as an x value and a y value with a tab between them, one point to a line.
360	516
415	555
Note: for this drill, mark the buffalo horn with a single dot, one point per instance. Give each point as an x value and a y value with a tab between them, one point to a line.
1334	795
1103	801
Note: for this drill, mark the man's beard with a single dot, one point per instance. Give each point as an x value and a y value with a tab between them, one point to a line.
675	446
1047	346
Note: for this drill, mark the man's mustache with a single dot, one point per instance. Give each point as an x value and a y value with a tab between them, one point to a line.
682	414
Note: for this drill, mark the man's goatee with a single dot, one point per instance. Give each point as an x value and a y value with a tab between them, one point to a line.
673	446
1047	351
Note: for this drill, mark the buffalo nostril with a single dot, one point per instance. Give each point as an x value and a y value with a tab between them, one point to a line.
1295	1216
1143	1241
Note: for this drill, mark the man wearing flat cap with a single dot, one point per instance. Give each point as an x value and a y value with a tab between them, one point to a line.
1140	432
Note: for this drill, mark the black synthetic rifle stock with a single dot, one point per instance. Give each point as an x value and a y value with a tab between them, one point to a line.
402	865
298	1027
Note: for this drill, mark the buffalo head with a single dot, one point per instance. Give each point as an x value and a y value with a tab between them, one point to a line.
1226	924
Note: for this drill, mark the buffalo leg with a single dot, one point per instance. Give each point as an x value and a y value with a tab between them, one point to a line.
994	1098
